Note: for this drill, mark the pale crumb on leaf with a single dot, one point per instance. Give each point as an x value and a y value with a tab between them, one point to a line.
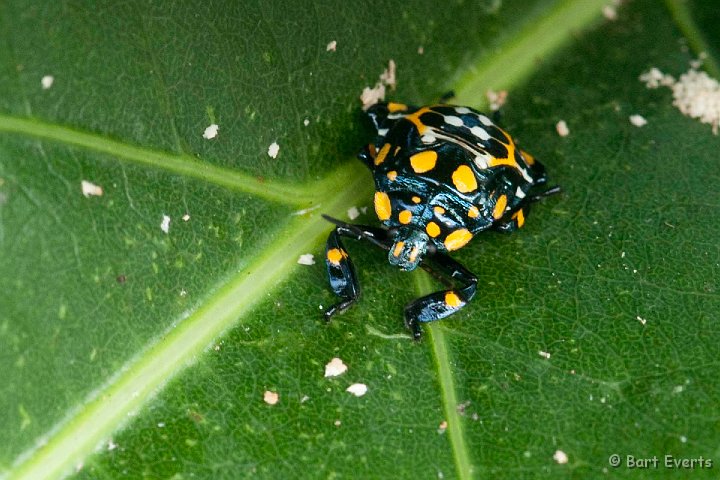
183	292
111	445
306	122
388	76
421	50
47	81
304	399
271	398
305	210
90	189
683	438
332	46
695	94
641	320
306	259
161	424
335	367
165	224
442	427
186	217
353	213
496	99
544	354
337	423
273	150
560	457
562	128
638	120
610	12
371	96
211	131
357	389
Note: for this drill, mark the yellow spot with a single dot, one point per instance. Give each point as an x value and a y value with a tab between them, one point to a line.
335	255
398	249
416	199
458	239
392	175
382	154
432	229
414	253
415	118
373	150
464	179
473	212
500	207
405	217
396	107
382	205
452	300
510	159
424	161
519	216
528	158
397	149
439	210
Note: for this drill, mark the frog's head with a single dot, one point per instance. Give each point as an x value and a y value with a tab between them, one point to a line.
411	245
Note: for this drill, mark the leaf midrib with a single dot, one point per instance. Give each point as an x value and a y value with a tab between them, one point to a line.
108	408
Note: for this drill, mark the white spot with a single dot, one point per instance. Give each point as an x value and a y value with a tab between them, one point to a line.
560	457
306	259
443	426
453	120
683	438
332	46
186	217
211	131
183	293
161	424
638	120
481	161
641	320
273	150
305	210
610	12
337	423
427	138
89	188
335	367
353	213
485	120
47	81
562	128
421	50
544	354
371	96
111	445
382	132
519	193
165	224
357	389
388	76
480	133
462	110
678	388
306	122
304	399
496	99
271	398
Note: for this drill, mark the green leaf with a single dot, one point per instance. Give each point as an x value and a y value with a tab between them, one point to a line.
128	352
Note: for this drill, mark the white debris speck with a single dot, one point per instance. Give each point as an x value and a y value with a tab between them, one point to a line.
273	150
89	188
271	398
610	12
331	46
678	388
641	320
337	423
544	354
161	424
695	94
638	120
421	50
305	210
306	122
186	217
562	128
335	367
211	131
496	99
111	445
47	81
306	259
443	426
683	439
371	96
357	389
304	399
165	224
183	292
560	457
353	213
